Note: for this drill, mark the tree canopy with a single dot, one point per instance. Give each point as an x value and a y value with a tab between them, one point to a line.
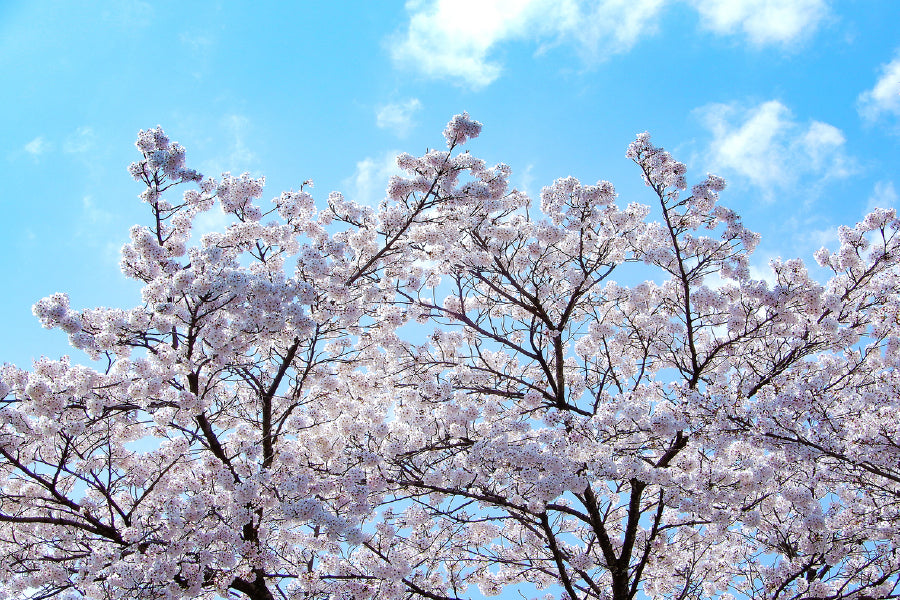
462	387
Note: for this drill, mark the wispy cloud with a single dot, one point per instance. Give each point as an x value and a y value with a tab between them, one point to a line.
93	216
79	142
240	152
600	28
526	179
883	196
763	22
884	97
368	183
214	220
95	227
128	14
767	146
457	39
199	47
237	155
398	117
37	146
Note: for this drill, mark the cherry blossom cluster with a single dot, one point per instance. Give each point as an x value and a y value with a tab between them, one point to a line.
461	129
160	157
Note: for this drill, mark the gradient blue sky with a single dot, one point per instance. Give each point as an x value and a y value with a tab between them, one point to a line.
795	102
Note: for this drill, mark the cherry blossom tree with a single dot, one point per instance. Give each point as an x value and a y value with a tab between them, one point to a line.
461	388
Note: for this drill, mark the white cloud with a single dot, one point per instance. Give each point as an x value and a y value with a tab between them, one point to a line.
884	98
453	39
368	184
767	146
37	146
883	196
458	39
80	142
762	21
822	144
602	27
748	146
398	117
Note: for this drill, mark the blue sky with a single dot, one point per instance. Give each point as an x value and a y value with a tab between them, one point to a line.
796	103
